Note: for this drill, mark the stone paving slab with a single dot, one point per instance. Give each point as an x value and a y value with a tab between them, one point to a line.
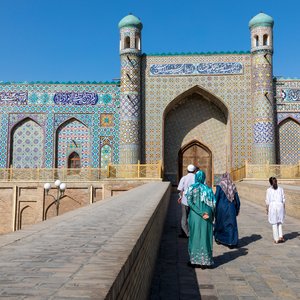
258	269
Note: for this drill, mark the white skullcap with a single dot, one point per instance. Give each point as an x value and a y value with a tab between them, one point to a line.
191	168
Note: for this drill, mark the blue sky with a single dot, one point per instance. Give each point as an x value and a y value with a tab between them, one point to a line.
78	40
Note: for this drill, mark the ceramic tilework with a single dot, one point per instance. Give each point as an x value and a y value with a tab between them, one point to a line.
196	69
289	145
232	90
73	136
130	108
27	148
106	153
290	94
194	118
106	120
42	109
263	108
233	116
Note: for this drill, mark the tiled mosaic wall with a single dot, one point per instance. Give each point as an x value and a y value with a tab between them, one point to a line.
288	120
130	96
232	89
65	118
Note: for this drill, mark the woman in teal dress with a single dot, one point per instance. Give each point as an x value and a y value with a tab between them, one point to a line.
201	201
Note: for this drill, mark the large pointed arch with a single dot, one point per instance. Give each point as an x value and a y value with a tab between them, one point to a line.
196	115
72	135
27	144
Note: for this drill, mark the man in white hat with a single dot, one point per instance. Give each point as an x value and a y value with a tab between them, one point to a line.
183	185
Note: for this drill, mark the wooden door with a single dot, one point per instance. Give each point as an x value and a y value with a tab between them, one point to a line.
197	154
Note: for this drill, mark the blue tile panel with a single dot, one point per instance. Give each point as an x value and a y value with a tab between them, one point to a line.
290	94
196	69
51	108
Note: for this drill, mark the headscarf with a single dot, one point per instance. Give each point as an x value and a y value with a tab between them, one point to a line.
228	186
204	192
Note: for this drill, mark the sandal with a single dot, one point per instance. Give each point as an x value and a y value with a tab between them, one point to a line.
281	240
276	242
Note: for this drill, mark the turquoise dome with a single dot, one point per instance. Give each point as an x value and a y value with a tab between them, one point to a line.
131	21
261	20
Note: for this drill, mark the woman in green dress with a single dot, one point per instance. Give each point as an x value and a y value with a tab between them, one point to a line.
201	201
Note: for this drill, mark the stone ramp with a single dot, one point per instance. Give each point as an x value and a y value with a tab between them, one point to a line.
258	269
103	251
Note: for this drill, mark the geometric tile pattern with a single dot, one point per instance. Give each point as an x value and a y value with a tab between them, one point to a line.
130	110
263	108
263	132
107	120
106	153
73	136
289	133
28	145
191	119
234	91
41	108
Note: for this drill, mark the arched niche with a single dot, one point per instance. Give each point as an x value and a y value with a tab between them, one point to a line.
289	132
105	156
72	136
27	145
196	115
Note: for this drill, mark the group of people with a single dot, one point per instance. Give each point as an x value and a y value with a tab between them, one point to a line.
206	214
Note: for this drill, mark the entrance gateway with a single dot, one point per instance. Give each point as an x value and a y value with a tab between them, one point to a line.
197	154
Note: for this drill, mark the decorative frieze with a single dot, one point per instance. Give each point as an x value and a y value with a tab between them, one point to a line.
9	97
290	95
83	98
196	69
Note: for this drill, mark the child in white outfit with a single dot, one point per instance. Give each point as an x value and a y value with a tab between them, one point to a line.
275	205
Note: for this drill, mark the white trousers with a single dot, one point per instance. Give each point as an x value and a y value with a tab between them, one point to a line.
277	231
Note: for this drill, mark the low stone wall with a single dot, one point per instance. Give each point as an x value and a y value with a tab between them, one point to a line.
106	250
255	191
26	203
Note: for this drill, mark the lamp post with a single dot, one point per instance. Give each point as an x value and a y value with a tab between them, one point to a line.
60	188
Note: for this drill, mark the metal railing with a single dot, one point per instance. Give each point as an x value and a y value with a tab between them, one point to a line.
264	171
132	171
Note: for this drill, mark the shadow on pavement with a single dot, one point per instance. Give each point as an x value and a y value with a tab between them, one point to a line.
246	240
291	235
172	278
228	256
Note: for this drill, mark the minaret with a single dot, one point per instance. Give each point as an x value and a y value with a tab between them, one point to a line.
261	28
130	90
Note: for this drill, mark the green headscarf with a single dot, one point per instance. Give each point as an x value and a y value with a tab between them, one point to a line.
201	190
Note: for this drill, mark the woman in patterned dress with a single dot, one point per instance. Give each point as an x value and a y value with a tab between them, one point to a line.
201	201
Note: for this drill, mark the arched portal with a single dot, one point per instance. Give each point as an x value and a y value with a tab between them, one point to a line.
196	121
197	154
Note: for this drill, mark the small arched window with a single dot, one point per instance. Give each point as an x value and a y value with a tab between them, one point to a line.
74	161
256	41
265	40
127	42
137	42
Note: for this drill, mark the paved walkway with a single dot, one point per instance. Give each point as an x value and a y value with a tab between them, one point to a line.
258	269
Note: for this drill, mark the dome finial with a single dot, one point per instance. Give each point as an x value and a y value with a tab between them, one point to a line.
131	21
261	19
